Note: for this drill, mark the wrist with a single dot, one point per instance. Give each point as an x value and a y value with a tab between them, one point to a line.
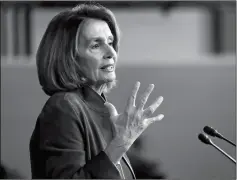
116	149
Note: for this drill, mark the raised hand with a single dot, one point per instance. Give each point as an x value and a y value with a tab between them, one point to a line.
134	120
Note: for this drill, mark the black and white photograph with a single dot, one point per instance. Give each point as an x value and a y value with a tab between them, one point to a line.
118	89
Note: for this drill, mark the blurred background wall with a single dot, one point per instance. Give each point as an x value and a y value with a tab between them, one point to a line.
187	49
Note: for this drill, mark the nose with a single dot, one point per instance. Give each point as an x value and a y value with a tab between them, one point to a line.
110	53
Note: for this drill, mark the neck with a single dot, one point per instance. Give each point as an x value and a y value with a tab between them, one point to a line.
99	89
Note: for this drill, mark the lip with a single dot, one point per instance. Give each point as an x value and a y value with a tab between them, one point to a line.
107	65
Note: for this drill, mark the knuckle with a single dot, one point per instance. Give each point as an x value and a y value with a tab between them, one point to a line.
138	115
145	122
139	127
149	122
143	100
149	111
133	96
128	113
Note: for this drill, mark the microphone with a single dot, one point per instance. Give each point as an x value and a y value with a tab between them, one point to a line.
205	139
213	132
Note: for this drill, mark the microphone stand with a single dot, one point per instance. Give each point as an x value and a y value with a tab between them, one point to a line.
228	141
206	140
223	152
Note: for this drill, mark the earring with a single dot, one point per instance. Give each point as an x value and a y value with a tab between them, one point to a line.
83	79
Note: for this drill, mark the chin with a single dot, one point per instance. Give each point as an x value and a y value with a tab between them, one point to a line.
110	78
110	84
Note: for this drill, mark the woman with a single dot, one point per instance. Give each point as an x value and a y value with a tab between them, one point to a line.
79	134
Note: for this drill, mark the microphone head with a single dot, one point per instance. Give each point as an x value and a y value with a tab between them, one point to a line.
212	132
204	138
209	130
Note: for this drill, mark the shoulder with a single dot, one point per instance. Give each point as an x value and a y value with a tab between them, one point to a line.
64	99
59	122
61	115
60	104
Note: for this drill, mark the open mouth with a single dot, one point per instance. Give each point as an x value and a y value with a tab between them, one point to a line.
108	68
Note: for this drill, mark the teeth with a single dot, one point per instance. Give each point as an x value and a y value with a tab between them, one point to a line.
110	68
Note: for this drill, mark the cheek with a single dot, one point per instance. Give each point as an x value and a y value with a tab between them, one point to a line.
91	67
90	63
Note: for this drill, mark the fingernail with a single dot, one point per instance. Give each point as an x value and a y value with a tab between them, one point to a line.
160	117
160	99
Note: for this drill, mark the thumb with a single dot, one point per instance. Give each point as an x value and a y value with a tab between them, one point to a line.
112	110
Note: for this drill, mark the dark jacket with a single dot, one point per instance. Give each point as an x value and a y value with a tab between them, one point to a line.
70	135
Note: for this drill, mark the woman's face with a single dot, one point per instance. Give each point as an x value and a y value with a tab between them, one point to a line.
97	55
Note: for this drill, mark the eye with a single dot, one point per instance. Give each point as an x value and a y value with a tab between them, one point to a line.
95	46
111	43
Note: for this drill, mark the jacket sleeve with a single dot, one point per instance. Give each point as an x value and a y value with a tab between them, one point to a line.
62	143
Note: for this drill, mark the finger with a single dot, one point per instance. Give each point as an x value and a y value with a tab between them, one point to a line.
111	108
132	99
149	121
145	96
152	108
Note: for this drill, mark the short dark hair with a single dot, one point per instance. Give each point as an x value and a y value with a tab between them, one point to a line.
57	59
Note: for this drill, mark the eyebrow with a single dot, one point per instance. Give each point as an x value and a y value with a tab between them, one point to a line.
99	39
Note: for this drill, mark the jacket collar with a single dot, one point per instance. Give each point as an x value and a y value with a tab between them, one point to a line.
96	102
93	99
